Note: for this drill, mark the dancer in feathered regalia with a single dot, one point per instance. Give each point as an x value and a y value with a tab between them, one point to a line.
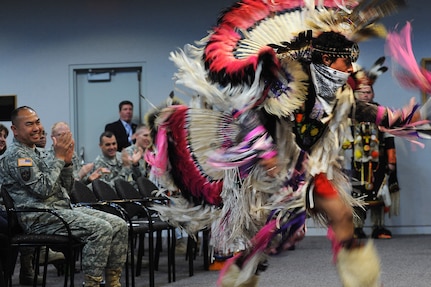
267	153
373	159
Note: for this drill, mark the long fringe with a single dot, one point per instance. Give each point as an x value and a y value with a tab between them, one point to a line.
399	47
327	158
251	258
187	216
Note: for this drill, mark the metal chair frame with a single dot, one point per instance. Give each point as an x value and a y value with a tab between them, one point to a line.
69	244
139	208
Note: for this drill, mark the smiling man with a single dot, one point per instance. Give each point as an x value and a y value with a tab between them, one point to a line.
111	159
123	129
34	181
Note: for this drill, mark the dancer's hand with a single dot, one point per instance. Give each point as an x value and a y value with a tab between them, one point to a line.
270	164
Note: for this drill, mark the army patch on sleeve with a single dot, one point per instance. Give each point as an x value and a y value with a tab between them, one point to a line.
26	161
25	173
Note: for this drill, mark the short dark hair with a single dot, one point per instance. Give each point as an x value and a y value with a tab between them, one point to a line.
15	112
4	128
123	103
335	45
107	134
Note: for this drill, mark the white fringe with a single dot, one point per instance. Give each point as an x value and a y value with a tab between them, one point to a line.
186	216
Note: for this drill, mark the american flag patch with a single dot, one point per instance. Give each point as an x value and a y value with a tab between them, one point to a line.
25	162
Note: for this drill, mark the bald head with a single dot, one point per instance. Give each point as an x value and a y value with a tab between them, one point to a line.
59	129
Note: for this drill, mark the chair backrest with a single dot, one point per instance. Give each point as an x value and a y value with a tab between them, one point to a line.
146	186
81	193
103	191
12	219
126	190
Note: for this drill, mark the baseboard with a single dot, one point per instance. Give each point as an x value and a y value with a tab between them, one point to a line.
396	230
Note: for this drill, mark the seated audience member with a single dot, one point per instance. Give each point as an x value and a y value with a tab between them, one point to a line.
41	144
144	143
81	172
123	129
111	160
36	182
26	272
134	155
42	141
4	132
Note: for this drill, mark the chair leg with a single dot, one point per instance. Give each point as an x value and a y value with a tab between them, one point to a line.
205	248
159	237
133	240
6	266
71	266
189	254
132	265
168	239
158	249
69	269
172	252
196	246
2	276
45	268
141	248
12	255
127	268
151	257
37	265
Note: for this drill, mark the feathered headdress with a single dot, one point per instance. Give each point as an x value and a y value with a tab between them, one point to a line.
232	67
362	77
246	32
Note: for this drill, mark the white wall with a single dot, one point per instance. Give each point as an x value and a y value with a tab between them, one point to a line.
40	39
413	162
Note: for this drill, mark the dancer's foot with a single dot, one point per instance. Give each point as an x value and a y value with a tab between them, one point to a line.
359	233
381	233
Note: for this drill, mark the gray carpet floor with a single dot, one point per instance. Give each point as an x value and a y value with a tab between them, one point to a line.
406	262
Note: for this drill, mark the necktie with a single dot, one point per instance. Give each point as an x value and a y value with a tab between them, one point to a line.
129	132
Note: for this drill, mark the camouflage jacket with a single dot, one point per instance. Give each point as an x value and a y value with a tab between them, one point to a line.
34	180
142	168
115	165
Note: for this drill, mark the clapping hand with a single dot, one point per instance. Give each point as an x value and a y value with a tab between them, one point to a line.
98	173
63	145
133	159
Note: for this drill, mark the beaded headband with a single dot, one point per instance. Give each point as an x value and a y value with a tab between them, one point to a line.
350	52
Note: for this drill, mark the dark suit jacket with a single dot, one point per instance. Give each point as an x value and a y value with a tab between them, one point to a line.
120	133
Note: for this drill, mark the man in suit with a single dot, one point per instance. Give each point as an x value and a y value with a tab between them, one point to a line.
123	129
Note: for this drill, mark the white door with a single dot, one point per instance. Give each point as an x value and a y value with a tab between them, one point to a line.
97	91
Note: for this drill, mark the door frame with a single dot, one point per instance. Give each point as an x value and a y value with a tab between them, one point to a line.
73	95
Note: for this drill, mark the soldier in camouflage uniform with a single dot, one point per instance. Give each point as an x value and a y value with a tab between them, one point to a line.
112	160
4	132
135	153
81	172
44	183
26	271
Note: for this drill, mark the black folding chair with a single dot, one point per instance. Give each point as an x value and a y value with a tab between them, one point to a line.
82	195
141	222
68	244
147	189
127	191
